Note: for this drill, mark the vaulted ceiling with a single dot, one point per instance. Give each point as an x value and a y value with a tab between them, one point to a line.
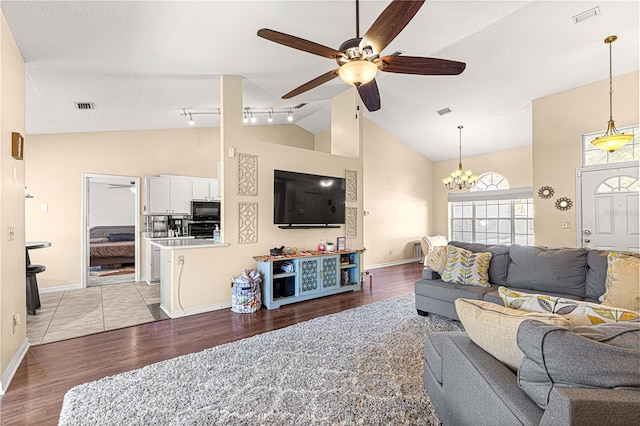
141	62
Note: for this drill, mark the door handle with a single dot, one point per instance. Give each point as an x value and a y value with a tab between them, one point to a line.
587	240
587	232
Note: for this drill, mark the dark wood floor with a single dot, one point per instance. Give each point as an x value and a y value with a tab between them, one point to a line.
49	371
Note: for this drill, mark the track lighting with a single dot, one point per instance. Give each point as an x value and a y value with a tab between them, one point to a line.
249	115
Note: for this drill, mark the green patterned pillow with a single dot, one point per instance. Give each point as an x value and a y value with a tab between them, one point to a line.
577	312
466	267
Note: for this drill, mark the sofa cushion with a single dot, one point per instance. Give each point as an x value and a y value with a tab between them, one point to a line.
596	274
437	289
499	265
577	312
466	267
623	282
433	353
546	269
602	356
494	327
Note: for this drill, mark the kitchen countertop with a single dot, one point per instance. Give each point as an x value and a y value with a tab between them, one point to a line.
168	238
185	243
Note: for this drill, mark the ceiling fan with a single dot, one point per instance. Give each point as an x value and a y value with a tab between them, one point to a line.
359	58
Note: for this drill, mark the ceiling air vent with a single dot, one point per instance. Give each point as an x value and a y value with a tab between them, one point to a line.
586	15
84	105
444	111
299	106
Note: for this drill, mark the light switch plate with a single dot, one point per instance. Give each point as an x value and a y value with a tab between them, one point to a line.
44	207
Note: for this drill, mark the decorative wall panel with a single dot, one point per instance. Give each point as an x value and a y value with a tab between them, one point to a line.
352	222
247	174
352	185
247	223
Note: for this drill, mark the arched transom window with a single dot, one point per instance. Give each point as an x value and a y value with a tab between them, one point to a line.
491	182
619	184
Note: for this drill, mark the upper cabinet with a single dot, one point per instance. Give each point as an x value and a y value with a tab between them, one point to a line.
204	189
165	195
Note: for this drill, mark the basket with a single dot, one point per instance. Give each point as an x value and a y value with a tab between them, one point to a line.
246	296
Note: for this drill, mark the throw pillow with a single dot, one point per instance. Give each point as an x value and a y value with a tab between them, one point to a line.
437	259
494	327
623	282
465	267
436	241
577	312
602	356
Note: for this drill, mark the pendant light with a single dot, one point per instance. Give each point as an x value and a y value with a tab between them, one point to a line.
460	178
612	139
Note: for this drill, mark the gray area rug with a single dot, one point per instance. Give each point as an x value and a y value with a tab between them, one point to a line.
360	366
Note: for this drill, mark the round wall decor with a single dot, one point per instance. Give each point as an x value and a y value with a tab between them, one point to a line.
564	203
546	192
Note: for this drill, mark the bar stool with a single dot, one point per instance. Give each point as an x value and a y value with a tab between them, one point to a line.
33	295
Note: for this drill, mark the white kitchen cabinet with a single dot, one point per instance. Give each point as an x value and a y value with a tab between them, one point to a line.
167	195
204	189
180	195
157	195
152	270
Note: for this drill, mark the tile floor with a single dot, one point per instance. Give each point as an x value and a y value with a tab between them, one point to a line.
75	313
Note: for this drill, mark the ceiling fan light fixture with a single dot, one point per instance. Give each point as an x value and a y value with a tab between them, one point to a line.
612	139
358	72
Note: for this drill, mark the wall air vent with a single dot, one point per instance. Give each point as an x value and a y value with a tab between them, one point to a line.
299	106
444	111
586	15
84	105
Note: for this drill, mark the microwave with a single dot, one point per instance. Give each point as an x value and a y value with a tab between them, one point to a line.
205	211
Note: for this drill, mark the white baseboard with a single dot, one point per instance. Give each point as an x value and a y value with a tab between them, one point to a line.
60	288
11	369
397	262
195	311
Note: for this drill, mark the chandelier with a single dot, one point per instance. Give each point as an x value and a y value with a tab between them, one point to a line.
460	178
612	139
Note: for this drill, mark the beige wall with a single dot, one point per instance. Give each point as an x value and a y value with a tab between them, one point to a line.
514	164
322	141
12	253
559	121
397	196
54	175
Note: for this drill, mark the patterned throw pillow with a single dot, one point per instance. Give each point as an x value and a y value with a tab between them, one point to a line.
466	267
494	328
437	259
623	282
577	312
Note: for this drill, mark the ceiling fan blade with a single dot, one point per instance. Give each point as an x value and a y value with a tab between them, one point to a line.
328	76
370	95
299	43
421	66
389	24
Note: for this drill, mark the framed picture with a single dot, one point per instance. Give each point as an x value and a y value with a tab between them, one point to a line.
17	145
342	242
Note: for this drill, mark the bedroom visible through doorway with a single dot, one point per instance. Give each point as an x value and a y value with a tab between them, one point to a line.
111	234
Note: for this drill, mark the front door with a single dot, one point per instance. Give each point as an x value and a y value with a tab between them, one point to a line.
610	198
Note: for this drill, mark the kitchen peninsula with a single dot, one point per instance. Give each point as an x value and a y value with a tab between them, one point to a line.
181	265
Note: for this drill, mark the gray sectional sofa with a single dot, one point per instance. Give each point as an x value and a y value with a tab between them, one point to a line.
468	386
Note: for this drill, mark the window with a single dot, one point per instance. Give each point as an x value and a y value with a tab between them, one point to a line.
493	213
491	182
593	156
619	184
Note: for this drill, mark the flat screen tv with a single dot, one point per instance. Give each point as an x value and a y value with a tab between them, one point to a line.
304	199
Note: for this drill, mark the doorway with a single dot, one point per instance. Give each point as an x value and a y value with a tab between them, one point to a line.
111	236
609	206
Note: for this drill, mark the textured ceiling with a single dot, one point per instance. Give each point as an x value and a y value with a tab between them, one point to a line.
141	62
